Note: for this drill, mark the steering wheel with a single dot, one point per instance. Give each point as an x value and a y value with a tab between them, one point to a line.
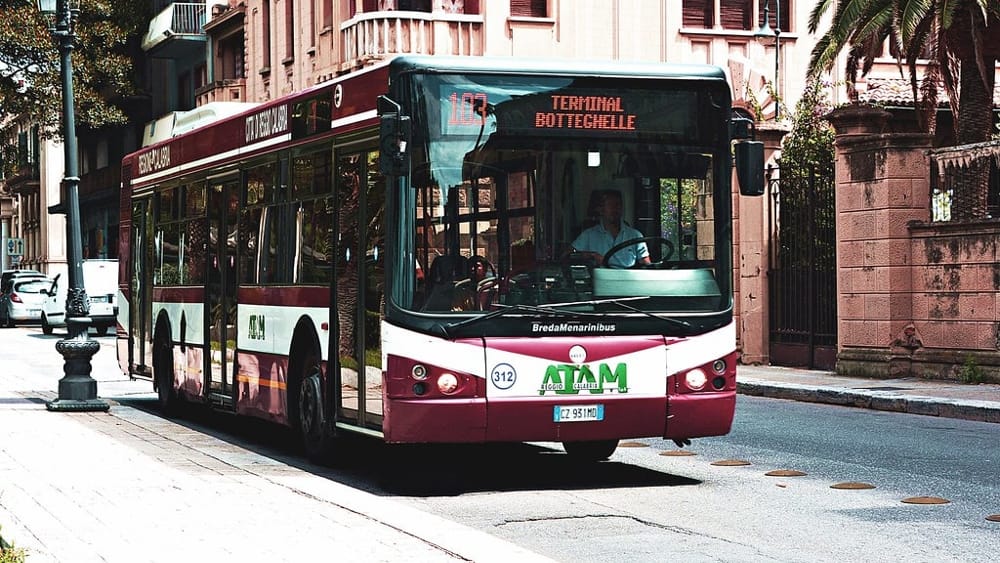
485	286
663	242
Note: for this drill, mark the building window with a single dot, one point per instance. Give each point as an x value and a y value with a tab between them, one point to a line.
289	30
698	14
230	58
529	8
327	14
734	14
265	29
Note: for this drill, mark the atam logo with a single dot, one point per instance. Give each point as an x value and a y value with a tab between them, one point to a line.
568	379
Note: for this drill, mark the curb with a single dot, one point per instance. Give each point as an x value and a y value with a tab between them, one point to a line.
981	411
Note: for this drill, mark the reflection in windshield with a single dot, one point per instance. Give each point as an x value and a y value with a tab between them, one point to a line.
500	218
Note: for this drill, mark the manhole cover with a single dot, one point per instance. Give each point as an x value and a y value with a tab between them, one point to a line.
678	453
926	500
730	462
632	445
852	485
784	473
993	517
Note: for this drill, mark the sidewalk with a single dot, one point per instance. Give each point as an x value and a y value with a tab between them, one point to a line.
130	486
949	399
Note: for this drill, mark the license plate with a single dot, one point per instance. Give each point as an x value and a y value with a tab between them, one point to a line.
578	413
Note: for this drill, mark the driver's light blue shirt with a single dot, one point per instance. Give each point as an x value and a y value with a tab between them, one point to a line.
598	239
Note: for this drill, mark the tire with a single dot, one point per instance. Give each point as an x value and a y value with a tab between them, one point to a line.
46	327
101	330
163	371
308	418
596	450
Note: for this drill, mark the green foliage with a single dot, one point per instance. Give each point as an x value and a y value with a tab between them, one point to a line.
10	553
806	182
108	36
971	372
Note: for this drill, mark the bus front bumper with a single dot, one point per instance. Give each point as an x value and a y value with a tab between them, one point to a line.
533	420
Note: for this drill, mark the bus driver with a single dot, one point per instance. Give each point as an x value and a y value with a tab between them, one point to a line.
609	231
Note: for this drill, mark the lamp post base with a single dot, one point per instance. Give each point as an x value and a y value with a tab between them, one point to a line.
77	390
72	405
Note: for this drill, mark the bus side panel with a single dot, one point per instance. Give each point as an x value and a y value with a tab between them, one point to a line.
184	309
261	381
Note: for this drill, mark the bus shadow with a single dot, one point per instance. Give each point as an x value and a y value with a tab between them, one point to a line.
425	470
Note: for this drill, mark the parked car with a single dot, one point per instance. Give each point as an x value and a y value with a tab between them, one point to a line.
100	282
8	277
23	301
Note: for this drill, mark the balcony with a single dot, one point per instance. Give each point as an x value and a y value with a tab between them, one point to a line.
177	32
228	90
374	36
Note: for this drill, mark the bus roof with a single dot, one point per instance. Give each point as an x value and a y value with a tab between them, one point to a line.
551	66
354	95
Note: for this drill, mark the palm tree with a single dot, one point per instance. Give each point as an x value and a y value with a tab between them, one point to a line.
961	39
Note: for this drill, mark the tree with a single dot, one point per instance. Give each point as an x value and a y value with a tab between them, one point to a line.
108	36
961	41
806	184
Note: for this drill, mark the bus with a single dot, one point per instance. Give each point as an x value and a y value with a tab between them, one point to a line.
391	253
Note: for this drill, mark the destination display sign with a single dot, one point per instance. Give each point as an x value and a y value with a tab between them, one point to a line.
475	110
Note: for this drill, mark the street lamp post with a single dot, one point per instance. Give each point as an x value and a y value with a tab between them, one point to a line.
765	33
77	389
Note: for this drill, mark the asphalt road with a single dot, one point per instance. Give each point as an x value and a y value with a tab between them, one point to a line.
644	506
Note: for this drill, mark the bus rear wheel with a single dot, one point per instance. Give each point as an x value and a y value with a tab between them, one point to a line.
163	371
593	450
310	422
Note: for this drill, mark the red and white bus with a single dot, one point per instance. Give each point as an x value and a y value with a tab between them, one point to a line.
392	253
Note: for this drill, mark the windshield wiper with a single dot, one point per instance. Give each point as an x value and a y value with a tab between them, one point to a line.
621	303
505	309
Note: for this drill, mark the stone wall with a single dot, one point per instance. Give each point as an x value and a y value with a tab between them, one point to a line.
915	298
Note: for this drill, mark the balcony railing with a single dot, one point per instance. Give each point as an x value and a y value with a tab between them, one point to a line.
228	90
178	19
375	36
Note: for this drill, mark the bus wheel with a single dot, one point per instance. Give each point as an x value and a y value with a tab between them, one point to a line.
596	450
316	439
163	371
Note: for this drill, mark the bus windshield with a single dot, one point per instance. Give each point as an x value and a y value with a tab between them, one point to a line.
567	192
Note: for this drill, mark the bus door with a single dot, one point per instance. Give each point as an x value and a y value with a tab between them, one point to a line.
140	282
359	305
220	292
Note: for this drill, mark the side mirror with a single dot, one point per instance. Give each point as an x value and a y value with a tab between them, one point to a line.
750	167
394	138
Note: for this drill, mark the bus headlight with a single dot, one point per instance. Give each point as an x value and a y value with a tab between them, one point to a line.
447	383
695	379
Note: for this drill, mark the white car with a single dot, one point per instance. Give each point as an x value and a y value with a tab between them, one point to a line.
24	300
100	282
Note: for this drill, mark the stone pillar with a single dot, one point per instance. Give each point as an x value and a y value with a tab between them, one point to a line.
882	185
751	247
